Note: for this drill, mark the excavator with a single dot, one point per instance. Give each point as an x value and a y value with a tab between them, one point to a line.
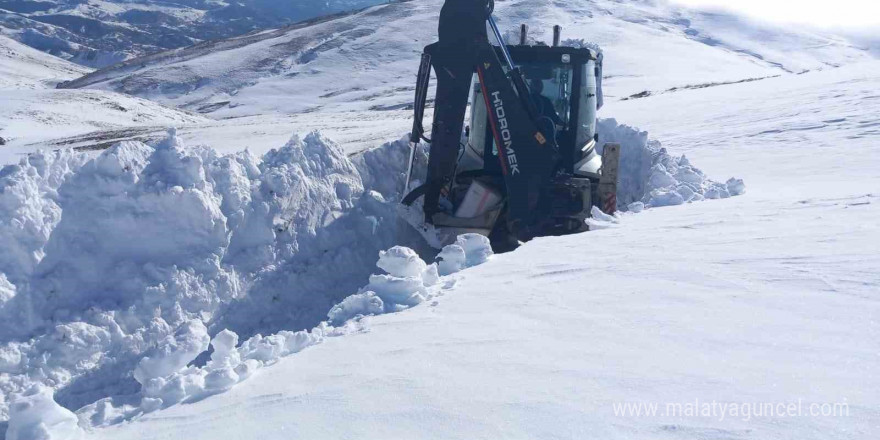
528	162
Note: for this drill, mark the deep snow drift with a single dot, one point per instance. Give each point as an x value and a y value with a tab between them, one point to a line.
121	267
156	240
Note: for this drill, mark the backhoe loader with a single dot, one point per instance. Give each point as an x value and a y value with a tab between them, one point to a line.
528	163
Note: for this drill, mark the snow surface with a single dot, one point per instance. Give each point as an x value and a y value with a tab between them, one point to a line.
30	119
769	297
23	67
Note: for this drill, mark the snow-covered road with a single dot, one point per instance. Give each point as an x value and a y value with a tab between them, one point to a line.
769	298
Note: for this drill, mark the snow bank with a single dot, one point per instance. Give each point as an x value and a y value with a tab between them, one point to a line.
651	177
409	281
117	267
228	365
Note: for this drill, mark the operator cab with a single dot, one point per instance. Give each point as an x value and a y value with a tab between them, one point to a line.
565	86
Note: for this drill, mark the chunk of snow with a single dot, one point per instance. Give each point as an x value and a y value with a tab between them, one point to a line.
10	359
736	187
366	303
34	415
408	280
661	197
601	216
431	275
221	379
150	404
7	290
401	261
177	387
174	353
395	290
246	369
224	354
601	220
452	258
477	248
660	178
265	349
580	43
688	174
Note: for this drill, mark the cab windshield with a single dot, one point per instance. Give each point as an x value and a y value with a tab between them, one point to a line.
551	88
550	85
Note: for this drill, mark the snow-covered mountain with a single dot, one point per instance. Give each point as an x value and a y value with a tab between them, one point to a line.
367	60
34	112
24	67
352	76
102	32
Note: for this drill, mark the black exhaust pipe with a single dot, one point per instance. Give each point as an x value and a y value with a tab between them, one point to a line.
523	34
557	33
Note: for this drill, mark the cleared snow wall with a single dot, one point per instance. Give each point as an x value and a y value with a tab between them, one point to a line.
121	268
649	176
109	259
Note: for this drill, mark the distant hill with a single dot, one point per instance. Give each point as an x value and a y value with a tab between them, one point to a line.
24	67
99	33
32	110
367	60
